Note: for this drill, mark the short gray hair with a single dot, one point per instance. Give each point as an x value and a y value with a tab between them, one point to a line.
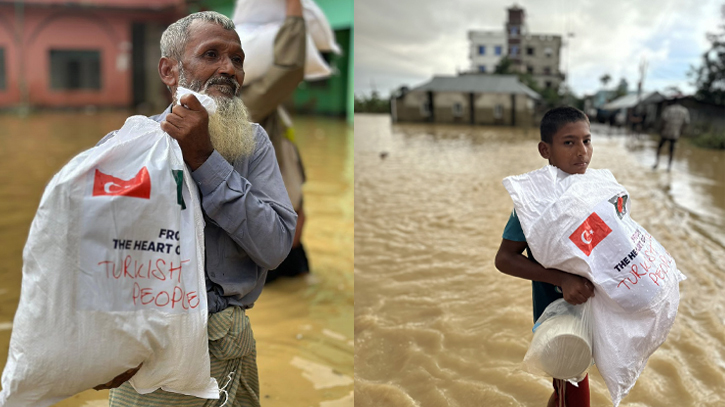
176	36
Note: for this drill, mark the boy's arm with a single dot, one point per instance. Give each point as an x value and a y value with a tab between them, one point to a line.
511	261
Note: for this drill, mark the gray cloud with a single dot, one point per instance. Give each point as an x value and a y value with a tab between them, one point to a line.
408	41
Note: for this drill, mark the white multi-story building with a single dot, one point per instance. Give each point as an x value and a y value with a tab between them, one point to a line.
540	57
487	49
535	54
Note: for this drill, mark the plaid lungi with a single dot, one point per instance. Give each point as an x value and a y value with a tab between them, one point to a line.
232	351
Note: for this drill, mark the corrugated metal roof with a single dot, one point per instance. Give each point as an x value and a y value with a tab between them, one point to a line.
631	100
477	84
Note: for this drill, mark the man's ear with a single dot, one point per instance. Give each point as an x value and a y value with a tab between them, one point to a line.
544	150
169	72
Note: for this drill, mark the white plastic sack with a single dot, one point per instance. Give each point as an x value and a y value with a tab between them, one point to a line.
258	44
562	344
113	276
581	224
260	12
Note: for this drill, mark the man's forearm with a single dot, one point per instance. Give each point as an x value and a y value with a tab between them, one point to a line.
264	95
259	219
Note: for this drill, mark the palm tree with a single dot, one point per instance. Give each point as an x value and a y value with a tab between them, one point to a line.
605	79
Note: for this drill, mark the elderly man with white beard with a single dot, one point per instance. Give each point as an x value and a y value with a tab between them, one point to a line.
250	222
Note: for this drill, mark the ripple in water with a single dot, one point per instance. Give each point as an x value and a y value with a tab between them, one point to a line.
437	325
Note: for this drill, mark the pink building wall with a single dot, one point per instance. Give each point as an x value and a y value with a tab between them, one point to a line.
126	4
11	93
46	26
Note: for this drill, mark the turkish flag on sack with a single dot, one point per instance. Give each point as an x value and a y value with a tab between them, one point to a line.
588	235
138	186
113	276
581	224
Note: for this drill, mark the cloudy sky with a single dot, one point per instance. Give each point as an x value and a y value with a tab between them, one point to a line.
406	42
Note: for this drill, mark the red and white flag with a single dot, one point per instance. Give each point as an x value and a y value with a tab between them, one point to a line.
137	187
588	235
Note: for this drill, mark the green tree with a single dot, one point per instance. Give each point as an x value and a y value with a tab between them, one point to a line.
504	67
371	104
673	90
550	97
622	88
529	81
710	76
605	79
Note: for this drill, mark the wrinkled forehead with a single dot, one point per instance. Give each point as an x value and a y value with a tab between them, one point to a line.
207	32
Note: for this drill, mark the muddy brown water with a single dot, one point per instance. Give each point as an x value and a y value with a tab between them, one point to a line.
303	326
437	325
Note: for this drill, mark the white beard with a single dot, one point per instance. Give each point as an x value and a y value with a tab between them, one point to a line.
230	130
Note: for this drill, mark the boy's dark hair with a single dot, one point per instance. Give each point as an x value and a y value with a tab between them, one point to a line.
556	118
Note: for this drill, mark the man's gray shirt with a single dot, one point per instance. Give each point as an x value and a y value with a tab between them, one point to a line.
250	222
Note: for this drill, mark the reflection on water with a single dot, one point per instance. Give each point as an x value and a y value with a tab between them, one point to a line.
301	325
696	184
437	325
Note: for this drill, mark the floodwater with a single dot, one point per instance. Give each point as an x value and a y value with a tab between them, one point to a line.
437	325
303	326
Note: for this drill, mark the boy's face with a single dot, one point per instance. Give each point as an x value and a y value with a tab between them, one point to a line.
570	149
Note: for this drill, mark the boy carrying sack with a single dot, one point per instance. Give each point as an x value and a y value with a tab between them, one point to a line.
576	222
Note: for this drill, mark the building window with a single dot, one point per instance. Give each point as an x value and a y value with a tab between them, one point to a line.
514	31
529	50
481	50
530	69
498	112
3	85
548	52
547	70
514	50
497	49
548	84
425	109
75	69
482	68
457	110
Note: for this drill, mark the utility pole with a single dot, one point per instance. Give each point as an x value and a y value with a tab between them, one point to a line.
637	108
640	84
642	74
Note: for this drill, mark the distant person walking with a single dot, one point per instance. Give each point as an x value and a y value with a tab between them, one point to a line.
263	98
674	118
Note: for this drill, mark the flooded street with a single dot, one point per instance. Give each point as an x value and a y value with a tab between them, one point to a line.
303	326
437	325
